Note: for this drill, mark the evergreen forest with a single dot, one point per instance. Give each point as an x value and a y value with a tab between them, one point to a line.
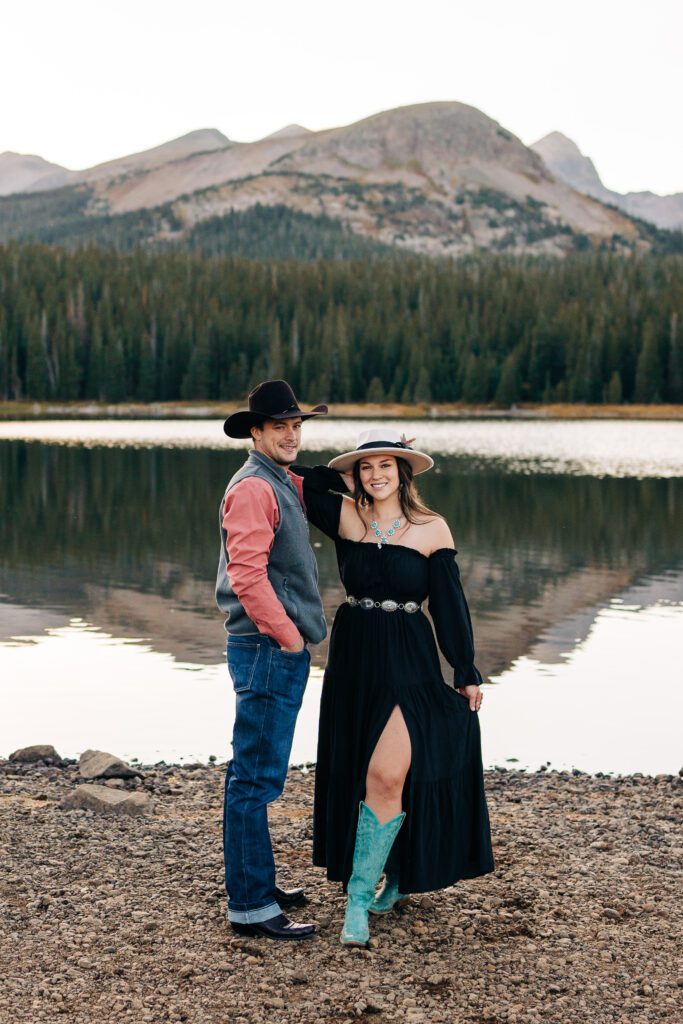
96	323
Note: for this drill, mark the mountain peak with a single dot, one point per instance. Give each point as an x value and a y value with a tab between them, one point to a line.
564	159
558	143
26	172
423	143
198	141
290	130
209	137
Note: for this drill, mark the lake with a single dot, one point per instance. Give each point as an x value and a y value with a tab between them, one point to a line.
570	538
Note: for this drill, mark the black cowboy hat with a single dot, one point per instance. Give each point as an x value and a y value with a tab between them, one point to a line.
270	400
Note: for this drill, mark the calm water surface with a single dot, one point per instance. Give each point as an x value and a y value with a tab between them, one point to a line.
570	540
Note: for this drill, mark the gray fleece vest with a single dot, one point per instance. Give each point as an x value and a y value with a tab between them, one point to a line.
292	568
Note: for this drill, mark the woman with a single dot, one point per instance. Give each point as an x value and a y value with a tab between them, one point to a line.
399	781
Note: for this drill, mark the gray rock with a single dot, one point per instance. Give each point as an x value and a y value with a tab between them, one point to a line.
611	915
39	752
98	764
90	797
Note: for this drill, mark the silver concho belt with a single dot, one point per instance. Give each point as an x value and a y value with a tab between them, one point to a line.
366	603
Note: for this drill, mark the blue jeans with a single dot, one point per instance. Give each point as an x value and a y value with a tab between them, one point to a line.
269	686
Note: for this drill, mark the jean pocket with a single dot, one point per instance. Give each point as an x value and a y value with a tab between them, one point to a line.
293	654
242	661
289	672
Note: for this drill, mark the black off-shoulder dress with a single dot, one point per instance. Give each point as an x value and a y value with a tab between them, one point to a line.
378	660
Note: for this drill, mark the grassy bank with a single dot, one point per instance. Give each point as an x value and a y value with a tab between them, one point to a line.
367	410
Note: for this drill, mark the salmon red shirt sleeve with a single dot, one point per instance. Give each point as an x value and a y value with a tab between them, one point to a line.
250	518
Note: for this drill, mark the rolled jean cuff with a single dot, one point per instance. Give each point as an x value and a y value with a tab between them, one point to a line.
254	916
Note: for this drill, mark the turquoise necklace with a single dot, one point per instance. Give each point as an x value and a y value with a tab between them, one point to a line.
383	538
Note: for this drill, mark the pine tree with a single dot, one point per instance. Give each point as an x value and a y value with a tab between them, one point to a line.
50	357
674	381
649	381
275	360
36	370
94	369
547	395
423	390
613	393
114	383
476	383
235	384
294	346
147	380
4	364
375	392
509	386
340	359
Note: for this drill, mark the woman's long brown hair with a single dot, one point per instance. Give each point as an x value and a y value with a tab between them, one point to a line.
412	504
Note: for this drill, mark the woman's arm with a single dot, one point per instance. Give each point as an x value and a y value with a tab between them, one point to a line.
323	489
452	622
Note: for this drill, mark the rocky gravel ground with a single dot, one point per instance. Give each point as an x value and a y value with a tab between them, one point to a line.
122	918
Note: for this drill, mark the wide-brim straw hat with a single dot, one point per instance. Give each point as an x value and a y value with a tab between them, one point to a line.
382	441
270	400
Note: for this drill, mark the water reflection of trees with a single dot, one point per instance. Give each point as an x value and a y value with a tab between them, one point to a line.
532	547
518	532
142	511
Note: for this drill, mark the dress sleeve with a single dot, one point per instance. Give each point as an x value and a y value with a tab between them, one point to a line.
451	617
323	489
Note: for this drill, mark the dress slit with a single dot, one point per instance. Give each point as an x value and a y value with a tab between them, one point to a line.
373	748
362	782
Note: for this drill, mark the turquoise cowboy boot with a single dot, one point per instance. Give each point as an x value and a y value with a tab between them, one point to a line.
389	896
373	843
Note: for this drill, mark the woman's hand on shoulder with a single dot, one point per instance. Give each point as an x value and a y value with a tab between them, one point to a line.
439	534
348	480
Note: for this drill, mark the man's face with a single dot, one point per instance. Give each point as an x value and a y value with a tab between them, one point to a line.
279	440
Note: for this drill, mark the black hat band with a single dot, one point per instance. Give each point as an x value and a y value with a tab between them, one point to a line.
383	444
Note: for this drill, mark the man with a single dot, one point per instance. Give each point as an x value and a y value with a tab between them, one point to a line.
268	587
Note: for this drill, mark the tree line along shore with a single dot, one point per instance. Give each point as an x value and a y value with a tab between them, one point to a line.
98	325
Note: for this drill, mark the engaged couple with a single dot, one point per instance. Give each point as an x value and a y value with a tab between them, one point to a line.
399	788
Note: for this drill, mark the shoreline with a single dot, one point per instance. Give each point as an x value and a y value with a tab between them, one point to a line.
114	918
435	411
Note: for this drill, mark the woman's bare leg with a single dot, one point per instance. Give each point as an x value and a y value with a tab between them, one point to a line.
389	765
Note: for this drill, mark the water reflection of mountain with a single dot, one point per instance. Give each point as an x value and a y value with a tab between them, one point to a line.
191	631
127	539
566	633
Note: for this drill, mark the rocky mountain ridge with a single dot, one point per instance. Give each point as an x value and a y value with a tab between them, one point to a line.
566	161
204	140
434	178
21	172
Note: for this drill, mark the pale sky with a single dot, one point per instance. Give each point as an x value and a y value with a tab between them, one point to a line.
83	82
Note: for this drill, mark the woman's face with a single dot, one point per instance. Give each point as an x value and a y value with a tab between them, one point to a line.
379	476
